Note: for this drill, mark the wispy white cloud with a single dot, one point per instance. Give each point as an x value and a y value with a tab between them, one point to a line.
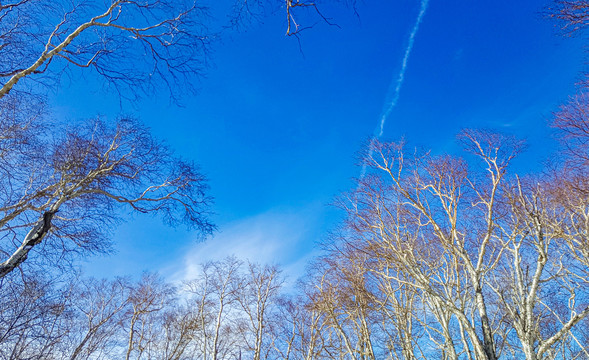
274	237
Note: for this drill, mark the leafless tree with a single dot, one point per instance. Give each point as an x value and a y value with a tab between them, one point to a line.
148	299
215	296
313	335
100	307
178	331
304	330
132	45
571	15
572	123
299	15
343	295
473	253
35	317
58	193
258	299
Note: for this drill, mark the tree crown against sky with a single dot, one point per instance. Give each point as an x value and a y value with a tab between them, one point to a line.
68	185
135	47
77	182
66	181
439	257
447	256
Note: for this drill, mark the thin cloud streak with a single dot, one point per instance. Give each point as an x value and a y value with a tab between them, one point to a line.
276	237
400	79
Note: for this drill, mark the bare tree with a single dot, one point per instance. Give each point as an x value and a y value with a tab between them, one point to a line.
67	188
258	297
304	330
473	253
148	299
178	331
572	124
133	45
343	295
101	307
215	295
571	15
35	317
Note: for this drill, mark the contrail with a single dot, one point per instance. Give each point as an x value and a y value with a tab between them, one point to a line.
400	78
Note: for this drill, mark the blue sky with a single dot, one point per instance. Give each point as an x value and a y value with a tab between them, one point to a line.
277	128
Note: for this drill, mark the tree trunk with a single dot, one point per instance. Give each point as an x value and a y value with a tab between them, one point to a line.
34	237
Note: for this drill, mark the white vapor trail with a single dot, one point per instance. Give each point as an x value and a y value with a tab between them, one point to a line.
400	78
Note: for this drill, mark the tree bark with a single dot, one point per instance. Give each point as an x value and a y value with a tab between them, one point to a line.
34	237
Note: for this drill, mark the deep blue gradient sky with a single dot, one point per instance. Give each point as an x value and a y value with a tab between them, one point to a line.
277	128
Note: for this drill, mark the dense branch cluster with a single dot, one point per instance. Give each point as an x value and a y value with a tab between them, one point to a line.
82	177
68	182
572	15
135	46
439	256
229	310
61	185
